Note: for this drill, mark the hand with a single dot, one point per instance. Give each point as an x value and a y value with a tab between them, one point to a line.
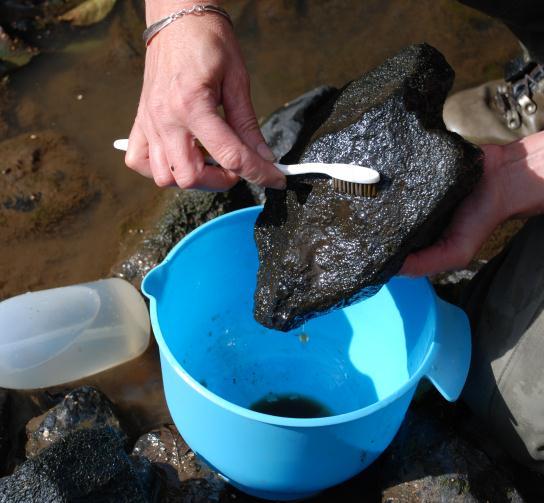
192	67
512	185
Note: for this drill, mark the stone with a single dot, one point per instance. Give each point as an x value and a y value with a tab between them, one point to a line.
43	184
83	408
431	460
320	249
86	465
184	476
282	128
181	213
434	457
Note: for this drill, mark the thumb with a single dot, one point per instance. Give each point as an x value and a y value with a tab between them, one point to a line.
240	115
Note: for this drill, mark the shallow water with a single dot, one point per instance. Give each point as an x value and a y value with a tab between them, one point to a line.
88	89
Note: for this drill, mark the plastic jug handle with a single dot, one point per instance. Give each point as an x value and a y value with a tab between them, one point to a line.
450	358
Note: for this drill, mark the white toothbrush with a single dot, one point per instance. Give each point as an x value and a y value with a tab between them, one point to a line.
348	178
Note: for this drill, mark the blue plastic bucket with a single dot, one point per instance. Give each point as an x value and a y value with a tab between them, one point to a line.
362	362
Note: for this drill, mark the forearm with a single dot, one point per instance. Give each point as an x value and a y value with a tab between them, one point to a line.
522	171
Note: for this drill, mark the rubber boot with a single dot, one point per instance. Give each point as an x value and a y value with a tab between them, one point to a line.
500	111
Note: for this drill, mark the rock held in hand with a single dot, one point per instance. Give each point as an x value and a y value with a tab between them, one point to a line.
320	249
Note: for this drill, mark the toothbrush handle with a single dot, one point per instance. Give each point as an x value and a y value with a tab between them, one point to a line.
286	169
301	169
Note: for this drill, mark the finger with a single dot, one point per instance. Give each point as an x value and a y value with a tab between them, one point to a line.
229	151
159	164
187	164
439	257
240	115
137	155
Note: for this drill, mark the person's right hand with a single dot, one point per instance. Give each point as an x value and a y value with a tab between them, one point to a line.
192	67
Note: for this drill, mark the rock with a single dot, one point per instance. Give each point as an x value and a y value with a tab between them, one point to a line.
184	477
82	408
282	129
87	465
4	430
430	461
320	249
182	212
42	184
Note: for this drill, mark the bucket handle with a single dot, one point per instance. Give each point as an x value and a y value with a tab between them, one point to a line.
450	357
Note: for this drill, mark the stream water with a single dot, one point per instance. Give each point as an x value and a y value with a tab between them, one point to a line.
87	88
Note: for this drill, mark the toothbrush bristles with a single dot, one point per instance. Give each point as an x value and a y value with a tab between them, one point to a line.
356	189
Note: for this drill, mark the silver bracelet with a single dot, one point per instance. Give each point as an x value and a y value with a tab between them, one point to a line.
197	9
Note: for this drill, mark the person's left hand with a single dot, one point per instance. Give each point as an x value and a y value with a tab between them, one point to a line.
512	185
471	225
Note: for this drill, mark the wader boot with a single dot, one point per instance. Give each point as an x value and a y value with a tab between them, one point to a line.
506	110
499	111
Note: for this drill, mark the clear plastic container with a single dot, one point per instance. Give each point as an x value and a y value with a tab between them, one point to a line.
55	336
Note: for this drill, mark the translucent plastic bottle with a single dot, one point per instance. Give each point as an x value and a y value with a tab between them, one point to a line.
55	336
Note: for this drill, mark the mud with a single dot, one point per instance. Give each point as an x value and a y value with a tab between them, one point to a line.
43	185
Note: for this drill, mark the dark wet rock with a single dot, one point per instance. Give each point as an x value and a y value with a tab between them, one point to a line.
135	388
430	461
182	212
282	129
184	476
82	408
320	249
435	457
87	465
42	184
4	430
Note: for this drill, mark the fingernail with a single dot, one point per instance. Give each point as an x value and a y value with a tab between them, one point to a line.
264	151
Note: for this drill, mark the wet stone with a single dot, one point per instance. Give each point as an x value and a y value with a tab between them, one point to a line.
82	408
183	212
282	129
435	457
430	461
87	465
320	249
184	476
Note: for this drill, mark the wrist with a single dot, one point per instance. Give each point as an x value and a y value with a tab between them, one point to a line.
159	9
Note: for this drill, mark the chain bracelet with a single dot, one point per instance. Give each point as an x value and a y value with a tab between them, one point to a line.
198	9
